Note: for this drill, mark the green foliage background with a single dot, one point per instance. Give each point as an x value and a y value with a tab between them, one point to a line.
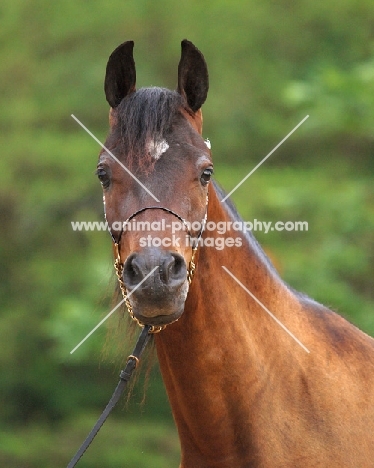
271	62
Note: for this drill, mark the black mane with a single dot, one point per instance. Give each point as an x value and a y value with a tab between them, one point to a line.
231	209
145	116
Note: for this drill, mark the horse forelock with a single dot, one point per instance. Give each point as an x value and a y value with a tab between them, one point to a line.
143	122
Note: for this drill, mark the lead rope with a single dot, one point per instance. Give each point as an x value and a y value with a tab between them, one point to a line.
125	375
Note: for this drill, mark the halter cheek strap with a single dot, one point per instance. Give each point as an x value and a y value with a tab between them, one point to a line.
118	265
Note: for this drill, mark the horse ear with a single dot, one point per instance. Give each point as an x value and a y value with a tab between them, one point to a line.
193	80
120	77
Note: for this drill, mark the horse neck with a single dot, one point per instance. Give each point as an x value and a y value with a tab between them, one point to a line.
215	359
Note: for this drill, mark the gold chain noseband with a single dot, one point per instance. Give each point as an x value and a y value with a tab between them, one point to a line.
118	265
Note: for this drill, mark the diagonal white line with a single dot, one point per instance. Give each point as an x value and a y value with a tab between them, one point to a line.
116	159
265	158
266	309
113	310
97	326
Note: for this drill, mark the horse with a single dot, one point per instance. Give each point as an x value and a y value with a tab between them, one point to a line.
243	392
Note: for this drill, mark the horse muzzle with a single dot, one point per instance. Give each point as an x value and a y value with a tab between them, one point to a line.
157	286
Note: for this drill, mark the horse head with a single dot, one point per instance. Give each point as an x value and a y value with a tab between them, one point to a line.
155	171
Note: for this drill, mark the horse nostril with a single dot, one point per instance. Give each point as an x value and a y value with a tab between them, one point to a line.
172	268
132	272
178	265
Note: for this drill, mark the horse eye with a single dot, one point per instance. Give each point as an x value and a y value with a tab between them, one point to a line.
206	175
103	177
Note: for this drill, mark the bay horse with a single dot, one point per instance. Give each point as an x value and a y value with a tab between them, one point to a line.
243	393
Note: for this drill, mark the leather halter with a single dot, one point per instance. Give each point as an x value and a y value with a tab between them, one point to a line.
118	265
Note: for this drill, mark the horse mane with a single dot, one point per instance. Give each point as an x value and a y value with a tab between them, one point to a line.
145	117
250	238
